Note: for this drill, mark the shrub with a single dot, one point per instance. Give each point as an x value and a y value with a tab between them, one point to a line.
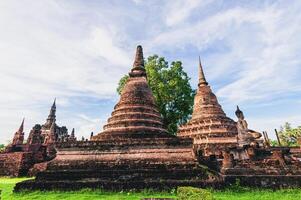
191	193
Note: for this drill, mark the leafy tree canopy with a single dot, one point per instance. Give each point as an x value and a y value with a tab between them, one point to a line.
2	146
171	89
289	136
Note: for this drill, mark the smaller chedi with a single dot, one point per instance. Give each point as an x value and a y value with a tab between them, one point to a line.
19	135
20	156
212	131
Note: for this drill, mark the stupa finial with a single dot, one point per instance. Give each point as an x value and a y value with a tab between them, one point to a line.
54	104
73	133
138	66
202	79
139	61
22	126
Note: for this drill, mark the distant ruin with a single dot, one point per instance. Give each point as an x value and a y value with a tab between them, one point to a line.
20	156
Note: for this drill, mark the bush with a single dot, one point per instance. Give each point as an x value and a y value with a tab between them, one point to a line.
191	193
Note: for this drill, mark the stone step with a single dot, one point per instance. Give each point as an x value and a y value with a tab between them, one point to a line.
265	181
113	185
98	165
113	174
128	142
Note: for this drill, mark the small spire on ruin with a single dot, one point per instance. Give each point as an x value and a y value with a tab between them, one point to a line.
202	79
138	69
73	133
139	60
21	126
54	104
51	117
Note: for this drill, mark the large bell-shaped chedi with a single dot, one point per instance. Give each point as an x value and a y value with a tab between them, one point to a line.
209	126
135	115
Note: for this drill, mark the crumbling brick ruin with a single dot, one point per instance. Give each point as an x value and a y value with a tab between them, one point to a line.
20	156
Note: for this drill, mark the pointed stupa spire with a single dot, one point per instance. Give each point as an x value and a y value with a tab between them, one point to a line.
51	117
54	104
21	126
73	133
202	79
139	61
19	135
138	66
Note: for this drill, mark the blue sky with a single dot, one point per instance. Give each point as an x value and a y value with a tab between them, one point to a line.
78	50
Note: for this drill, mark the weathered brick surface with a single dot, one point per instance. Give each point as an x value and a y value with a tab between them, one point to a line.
15	164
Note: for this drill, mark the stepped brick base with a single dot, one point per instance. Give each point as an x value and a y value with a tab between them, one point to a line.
157	164
265	181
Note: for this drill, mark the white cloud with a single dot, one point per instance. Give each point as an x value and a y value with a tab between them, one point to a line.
260	42
44	55
179	10
102	44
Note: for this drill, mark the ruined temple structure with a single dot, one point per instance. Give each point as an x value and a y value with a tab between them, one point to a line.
212	131
233	149
20	156
133	151
255	164
60	133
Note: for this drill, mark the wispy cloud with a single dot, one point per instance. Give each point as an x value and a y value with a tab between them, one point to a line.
179	11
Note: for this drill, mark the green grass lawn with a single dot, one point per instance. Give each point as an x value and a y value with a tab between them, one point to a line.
7	184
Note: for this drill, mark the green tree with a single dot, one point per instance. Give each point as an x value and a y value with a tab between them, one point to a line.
2	147
171	89
289	136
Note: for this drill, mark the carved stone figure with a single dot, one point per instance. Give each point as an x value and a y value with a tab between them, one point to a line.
245	135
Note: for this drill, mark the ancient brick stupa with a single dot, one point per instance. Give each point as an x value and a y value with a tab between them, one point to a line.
209	126
135	115
134	151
